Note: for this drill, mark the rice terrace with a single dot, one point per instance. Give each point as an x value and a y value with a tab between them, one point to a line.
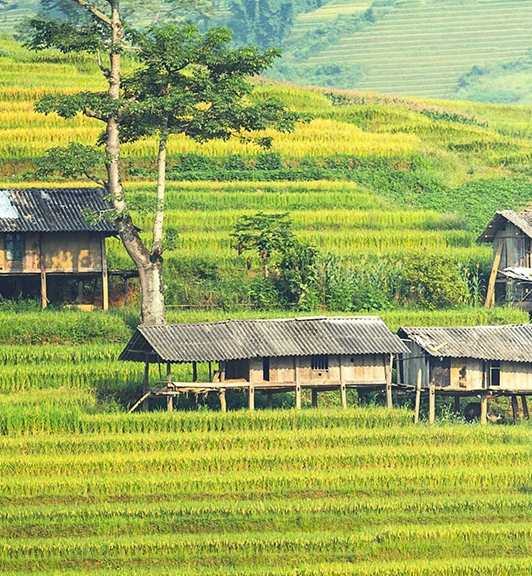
349	399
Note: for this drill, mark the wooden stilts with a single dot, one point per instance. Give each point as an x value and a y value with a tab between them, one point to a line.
388	373
105	279
42	265
515	408
457	405
343	395
298	396
142	401
251	398
194	371
210	371
269	400
484	409
168	374
79	299
223	402
169	403
432	403
418	397
314	398
146	386
526	414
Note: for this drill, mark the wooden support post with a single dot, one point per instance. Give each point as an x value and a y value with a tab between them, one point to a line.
194	371
526	414
105	278
490	294
484	409
298	396
418	397
223	402
314	398
169	403
79	299
251	398
210	371
298	384
168	374
388	373
457	410
145	402
515	408
269	400
42	266
343	395
432	403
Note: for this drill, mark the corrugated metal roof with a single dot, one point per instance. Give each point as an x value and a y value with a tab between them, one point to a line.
236	339
521	218
52	210
510	343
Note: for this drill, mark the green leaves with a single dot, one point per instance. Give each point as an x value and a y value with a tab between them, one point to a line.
71	161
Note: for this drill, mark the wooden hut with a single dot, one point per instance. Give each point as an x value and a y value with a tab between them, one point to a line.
318	353
45	232
510	281
471	361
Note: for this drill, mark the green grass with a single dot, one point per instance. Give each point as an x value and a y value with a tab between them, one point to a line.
314	492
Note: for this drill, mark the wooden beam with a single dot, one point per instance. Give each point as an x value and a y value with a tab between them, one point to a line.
526	414
42	265
515	408
484	409
223	402
432	403
251	398
140	401
343	395
105	278
388	372
490	294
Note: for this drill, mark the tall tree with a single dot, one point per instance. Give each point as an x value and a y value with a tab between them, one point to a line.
186	83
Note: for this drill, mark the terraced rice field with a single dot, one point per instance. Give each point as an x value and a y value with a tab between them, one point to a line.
422	48
315	492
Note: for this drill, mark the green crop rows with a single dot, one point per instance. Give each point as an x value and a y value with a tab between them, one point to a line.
358	491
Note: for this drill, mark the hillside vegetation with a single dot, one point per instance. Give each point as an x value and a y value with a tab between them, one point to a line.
474	49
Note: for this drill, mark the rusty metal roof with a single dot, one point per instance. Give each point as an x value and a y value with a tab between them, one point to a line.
52	210
520	218
511	343
237	339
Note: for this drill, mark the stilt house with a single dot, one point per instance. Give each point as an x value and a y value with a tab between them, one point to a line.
510	281
318	353
44	232
470	361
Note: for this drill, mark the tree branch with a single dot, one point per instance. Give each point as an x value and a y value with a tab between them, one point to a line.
99	14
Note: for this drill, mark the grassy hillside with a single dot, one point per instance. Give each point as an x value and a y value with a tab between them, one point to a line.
381	185
473	49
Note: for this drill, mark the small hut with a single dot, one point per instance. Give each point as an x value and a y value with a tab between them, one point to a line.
46	232
318	353
470	361
510	281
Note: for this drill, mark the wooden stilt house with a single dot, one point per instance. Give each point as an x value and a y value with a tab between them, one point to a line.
510	281
470	361
44	232
319	353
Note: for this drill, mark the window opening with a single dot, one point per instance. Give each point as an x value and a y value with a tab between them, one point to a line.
266	369
15	247
319	362
495	373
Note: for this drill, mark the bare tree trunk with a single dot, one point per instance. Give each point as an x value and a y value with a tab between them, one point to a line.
148	264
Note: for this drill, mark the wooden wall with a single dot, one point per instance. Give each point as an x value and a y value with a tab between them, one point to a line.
63	252
355	369
516	376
